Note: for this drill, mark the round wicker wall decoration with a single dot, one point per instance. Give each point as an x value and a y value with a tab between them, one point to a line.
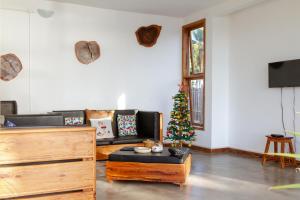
87	51
10	67
147	35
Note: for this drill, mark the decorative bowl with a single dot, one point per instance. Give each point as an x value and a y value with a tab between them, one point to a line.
142	150
157	148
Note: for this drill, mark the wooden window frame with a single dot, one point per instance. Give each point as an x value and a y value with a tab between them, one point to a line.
186	76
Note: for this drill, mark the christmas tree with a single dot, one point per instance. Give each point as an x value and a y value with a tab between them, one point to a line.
179	128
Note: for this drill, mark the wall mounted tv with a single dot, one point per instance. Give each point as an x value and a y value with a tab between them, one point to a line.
284	74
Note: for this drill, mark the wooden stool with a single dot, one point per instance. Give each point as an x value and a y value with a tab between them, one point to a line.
282	141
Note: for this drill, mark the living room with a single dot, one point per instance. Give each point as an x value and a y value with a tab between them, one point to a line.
95	58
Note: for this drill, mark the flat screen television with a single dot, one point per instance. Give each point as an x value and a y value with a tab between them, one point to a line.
284	74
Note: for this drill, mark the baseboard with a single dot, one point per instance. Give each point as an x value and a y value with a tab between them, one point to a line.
203	149
228	150
208	150
245	153
238	152
225	150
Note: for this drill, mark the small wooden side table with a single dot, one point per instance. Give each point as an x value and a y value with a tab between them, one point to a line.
282	141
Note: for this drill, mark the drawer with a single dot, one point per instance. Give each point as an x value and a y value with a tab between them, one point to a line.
48	178
67	196
45	146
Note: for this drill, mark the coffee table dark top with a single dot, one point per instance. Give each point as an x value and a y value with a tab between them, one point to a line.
164	157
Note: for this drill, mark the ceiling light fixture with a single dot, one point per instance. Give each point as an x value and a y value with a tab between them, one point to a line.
45	13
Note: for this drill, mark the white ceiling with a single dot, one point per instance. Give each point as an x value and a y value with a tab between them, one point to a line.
174	8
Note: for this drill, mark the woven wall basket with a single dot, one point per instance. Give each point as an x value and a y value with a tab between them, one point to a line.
147	36
10	67
87	51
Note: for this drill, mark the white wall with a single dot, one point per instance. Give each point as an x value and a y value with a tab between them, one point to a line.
220	92
265	33
147	77
16	41
240	108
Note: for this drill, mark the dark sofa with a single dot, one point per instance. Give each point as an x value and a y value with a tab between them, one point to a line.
8	108
148	127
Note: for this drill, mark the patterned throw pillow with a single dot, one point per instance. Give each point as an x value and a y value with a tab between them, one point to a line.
103	128
73	121
9	124
127	125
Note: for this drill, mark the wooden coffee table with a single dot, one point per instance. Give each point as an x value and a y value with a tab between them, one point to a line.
128	165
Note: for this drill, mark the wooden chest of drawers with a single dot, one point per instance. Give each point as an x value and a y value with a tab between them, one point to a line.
48	163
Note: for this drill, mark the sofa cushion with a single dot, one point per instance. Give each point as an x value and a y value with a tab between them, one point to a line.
2	120
36	120
128	140
97	114
149	124
8	108
105	141
164	157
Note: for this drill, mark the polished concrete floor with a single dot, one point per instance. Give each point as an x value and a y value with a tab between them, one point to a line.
213	177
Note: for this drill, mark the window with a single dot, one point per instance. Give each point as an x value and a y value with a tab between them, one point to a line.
193	69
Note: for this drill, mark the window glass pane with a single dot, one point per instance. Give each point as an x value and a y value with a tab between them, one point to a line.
196	51
196	98
190	62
